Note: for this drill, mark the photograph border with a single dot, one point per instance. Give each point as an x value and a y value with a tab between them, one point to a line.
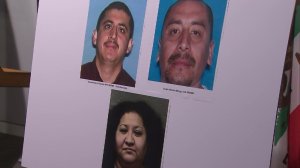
208	77
160	107
130	63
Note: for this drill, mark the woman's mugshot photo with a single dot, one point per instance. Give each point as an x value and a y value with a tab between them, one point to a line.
135	131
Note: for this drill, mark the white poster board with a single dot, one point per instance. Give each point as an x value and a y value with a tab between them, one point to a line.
231	125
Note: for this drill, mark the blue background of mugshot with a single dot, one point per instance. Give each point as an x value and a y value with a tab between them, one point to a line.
218	8
138	13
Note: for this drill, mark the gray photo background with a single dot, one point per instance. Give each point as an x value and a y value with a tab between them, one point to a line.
159	105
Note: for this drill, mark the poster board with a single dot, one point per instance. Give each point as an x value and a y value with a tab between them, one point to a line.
231	125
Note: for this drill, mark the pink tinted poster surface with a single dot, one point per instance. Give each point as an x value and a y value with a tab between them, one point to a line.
233	123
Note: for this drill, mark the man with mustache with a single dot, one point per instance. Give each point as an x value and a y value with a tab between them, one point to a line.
113	41
186	45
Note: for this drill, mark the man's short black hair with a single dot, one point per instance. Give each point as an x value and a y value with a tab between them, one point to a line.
209	11
119	6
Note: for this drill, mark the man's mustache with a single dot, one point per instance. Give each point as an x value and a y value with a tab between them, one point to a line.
112	42
186	56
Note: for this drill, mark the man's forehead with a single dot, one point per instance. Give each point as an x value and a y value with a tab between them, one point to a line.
188	6
188	2
187	16
115	13
189	12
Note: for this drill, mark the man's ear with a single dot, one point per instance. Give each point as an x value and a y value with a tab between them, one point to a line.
94	37
210	52
129	46
157	57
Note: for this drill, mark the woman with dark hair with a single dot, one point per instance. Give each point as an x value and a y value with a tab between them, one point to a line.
134	137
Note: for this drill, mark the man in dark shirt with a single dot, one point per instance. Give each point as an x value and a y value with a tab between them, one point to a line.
113	41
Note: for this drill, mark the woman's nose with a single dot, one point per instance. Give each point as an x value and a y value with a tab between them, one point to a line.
129	140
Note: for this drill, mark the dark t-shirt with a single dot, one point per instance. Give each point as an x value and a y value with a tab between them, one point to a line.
90	71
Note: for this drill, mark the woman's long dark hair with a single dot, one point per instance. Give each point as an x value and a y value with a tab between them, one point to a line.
154	131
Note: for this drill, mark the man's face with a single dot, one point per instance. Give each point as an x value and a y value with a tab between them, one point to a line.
185	46
112	39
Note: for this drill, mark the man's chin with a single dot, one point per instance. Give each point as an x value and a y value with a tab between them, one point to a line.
179	78
179	81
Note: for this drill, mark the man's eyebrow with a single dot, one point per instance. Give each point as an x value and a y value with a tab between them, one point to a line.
120	24
123	25
199	23
107	21
173	21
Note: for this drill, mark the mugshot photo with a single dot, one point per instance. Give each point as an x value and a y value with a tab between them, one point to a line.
135	130
186	42
112	41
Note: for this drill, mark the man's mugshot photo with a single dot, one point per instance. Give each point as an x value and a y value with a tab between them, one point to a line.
112	41
186	42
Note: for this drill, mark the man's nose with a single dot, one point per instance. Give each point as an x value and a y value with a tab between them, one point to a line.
184	41
113	32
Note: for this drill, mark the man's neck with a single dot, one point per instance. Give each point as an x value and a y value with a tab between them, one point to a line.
197	85
108	73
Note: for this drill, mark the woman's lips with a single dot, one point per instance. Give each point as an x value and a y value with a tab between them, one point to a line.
128	149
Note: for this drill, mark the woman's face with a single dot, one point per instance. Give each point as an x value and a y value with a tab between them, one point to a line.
131	138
